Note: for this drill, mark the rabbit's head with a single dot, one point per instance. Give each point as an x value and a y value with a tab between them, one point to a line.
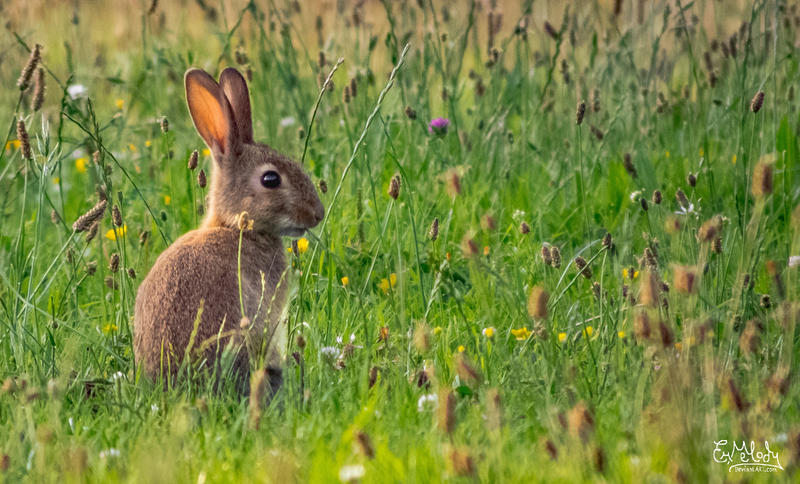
248	176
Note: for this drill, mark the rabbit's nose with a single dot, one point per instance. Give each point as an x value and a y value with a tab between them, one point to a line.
319	211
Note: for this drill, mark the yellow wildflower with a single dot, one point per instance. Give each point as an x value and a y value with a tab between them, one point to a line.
437	330
678	346
110	328
167	199
488	332
119	103
148	143
461	348
345	280
80	165
302	246
386	284
621	334
667	154
733	159
521	334
132	147
14	143
486	250
701	152
206	152
588	330
117	232
562	337
626	274
56	180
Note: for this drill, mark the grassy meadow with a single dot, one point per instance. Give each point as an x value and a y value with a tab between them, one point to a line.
590	274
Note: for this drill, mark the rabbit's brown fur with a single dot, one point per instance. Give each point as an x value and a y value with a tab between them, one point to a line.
200	269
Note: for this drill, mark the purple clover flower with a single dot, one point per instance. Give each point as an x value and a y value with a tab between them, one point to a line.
438	126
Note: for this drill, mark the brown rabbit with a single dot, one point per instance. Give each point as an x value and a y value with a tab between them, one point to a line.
190	300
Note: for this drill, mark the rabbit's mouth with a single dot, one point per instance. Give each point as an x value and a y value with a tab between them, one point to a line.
293	231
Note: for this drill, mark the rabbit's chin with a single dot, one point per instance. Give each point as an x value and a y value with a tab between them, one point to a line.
293	232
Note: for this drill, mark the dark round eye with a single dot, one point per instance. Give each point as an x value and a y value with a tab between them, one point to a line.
270	179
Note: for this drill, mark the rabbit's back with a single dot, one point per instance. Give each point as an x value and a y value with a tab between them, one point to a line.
201	269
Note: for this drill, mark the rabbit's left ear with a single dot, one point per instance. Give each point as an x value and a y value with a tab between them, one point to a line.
211	113
235	89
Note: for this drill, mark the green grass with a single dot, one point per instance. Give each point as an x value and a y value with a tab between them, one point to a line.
613	405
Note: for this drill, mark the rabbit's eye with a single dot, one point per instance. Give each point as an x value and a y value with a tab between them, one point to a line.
270	179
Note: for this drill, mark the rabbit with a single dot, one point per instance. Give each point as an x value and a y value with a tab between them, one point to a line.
189	303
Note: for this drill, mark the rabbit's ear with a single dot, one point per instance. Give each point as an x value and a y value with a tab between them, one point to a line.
235	89
211	112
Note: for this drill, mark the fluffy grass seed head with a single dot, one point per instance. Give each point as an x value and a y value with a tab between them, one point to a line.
649	289
537	303
27	72
710	230
580	421
524	228
433	232
446	412
38	90
24	140
685	279
94	214
116	216
762	180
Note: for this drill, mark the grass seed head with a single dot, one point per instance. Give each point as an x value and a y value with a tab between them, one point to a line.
537	303
642	327
550	30
88	219
580	421
555	253
762	180
666	335
524	228
583	267
649	289
608	242
364	444
597	132
113	263
657	197
446	411
27	72
164	125
546	255
757	102
24	140
685	279
193	160
710	230
131	273
488	222
580	112
38	90
433	232
682	200
116	216
462	463
643	203
691	179
627	162
468	246
201	179
394	186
